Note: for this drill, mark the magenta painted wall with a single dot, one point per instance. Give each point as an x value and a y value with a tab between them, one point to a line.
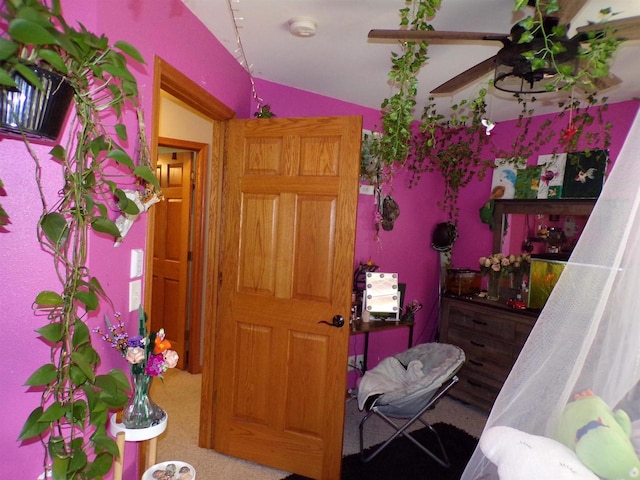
169	30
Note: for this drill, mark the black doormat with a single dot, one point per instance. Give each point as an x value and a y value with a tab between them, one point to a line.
402	460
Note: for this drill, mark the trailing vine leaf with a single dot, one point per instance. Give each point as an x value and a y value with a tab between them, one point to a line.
42	376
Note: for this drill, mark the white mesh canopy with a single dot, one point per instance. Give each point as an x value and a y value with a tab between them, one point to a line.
588	335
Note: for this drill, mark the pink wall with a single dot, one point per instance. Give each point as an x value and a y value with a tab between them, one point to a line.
169	30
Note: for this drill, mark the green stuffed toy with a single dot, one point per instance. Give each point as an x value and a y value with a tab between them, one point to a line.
600	437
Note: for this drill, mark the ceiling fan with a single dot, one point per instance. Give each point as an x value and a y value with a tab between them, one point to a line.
512	71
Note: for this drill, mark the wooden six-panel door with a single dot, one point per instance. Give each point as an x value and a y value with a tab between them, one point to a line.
171	249
290	201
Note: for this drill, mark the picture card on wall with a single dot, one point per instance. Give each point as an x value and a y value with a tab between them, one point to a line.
503	184
584	174
552	175
527	182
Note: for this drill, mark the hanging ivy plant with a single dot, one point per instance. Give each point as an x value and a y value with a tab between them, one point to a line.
451	147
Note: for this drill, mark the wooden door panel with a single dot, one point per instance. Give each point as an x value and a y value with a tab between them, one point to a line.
171	248
291	189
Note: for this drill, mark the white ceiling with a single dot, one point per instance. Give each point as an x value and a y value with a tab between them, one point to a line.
340	62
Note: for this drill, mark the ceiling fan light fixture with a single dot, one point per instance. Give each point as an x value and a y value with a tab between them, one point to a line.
513	80
302	26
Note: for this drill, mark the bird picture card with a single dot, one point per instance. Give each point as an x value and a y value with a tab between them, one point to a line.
503	184
552	175
527	182
584	174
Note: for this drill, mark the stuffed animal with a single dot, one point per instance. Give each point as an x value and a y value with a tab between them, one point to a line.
600	437
522	456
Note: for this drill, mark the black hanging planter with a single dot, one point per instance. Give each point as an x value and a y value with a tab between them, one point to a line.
33	112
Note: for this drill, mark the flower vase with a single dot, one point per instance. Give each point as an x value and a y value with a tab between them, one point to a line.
493	287
141	411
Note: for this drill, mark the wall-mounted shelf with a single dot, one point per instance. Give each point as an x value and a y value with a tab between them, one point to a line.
577	207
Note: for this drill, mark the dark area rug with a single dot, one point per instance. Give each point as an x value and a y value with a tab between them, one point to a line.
402	460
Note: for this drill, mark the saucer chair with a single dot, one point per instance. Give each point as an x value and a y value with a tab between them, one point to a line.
405	386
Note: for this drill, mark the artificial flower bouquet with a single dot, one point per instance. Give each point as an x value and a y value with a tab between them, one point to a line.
148	353
499	264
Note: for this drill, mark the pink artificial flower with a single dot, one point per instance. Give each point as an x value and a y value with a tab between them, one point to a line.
135	355
155	365
170	358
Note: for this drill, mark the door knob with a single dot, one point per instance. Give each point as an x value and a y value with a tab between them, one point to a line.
337	321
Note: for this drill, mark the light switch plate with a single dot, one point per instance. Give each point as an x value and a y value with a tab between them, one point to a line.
366	189
135	295
137	260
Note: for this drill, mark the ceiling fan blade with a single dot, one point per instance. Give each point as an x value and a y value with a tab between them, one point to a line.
568	10
623	28
431	35
468	76
606	82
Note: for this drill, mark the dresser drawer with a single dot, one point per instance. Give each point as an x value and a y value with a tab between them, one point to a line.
484	355
482	322
476	390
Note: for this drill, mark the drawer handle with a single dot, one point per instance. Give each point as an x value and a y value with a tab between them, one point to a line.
480	322
477	344
474	362
474	384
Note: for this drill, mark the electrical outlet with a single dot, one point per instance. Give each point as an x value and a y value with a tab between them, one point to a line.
355	362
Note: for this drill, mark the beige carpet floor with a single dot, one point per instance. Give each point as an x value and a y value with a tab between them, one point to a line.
179	395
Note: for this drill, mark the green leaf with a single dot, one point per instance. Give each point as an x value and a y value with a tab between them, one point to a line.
81	362
104	225
129	50
29	75
29	32
89	299
7	48
48	298
54	59
106	383
44	375
80	333
121	379
106	443
119	72
60	467
54	412
58	152
51	332
100	465
55	228
78	461
121	157
33	428
147	175
121	131
6	79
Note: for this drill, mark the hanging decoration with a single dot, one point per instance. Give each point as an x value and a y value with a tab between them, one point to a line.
262	111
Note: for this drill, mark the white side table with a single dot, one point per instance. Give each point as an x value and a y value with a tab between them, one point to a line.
123	434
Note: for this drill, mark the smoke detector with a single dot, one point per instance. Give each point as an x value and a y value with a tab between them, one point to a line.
302	26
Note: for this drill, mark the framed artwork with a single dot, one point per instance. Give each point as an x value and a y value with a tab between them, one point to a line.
503	184
527	182
552	175
584	174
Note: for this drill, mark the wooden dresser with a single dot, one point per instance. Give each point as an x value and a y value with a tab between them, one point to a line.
491	335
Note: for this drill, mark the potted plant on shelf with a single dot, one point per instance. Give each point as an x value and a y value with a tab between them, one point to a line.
75	400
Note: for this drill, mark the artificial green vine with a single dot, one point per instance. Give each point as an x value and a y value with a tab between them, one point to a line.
72	417
451	147
394	146
594	51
